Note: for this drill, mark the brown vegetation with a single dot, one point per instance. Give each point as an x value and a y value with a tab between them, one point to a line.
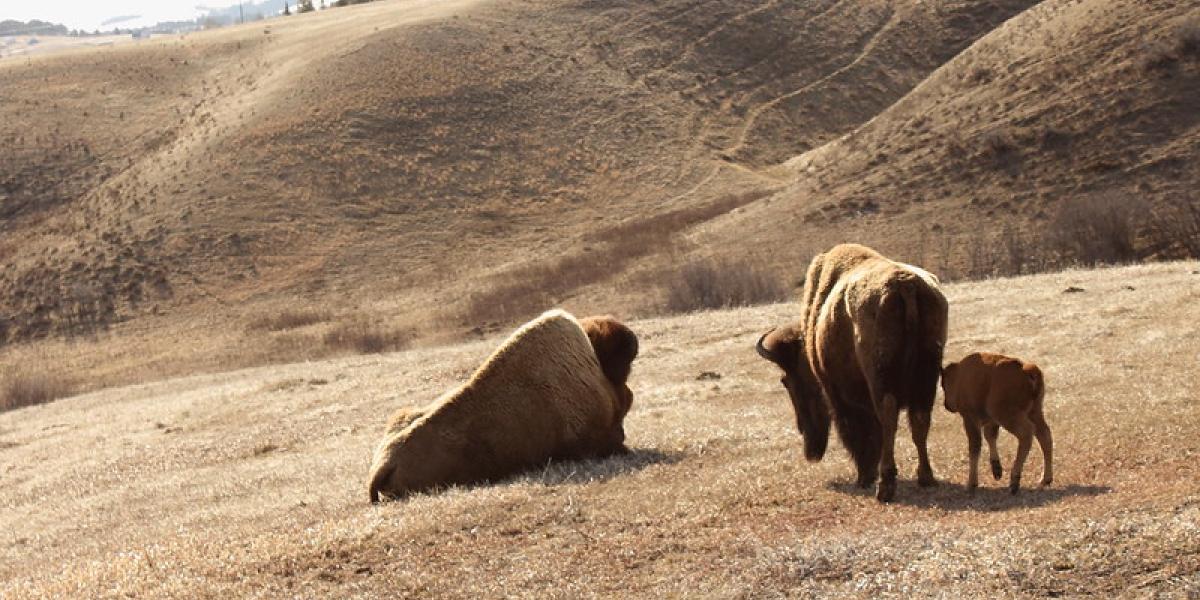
714	284
289	318
21	387
364	336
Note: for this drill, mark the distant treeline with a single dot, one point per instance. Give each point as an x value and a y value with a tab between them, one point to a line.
34	27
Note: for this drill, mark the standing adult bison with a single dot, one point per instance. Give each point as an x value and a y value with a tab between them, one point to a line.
556	389
869	343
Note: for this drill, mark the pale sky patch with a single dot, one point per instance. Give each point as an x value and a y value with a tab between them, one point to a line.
89	14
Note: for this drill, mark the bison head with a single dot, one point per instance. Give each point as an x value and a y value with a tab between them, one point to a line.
616	346
785	347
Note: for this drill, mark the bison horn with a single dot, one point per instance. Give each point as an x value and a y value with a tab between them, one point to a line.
762	350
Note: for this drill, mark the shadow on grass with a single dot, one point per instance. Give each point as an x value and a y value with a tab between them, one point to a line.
954	496
599	469
562	472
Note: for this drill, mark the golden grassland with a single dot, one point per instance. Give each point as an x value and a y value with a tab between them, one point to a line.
251	483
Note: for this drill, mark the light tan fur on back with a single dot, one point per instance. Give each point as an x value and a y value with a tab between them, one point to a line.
868	344
542	395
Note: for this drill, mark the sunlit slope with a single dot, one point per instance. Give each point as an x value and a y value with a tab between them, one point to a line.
1066	101
408	150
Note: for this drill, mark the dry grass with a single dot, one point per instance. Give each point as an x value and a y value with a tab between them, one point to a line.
716	499
526	291
21	387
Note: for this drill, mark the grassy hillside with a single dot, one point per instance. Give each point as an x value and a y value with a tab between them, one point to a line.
1088	105
400	161
253	482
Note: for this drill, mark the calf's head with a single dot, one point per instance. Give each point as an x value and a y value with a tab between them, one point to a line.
785	347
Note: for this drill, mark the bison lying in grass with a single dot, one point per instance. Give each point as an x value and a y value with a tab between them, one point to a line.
556	389
990	390
868	344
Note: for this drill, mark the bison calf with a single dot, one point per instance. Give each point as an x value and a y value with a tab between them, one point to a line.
990	391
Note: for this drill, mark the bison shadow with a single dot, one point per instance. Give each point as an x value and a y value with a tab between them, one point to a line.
948	495
598	469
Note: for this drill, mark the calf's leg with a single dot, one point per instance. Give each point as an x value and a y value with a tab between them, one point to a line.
974	445
1046	441
918	422
990	431
1023	429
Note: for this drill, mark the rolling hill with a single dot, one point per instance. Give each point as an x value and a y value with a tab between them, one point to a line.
1069	102
423	172
401	159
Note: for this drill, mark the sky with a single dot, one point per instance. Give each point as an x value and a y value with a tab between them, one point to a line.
89	14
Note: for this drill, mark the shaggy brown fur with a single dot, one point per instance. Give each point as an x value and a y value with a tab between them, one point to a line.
869	344
993	390
616	347
404	417
542	395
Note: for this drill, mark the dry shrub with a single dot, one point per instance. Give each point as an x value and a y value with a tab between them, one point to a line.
27	388
1099	229
289	319
1174	231
531	289
365	337
1107	228
713	285
1183	43
997	147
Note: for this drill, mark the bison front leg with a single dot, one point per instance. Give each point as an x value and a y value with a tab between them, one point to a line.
918	422
888	413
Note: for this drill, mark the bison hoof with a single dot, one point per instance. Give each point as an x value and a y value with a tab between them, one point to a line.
926	479
1014	487
865	481
997	470
1047	482
887	486
885	492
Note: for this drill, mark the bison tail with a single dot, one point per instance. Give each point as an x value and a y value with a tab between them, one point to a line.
912	339
1038	383
921	358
